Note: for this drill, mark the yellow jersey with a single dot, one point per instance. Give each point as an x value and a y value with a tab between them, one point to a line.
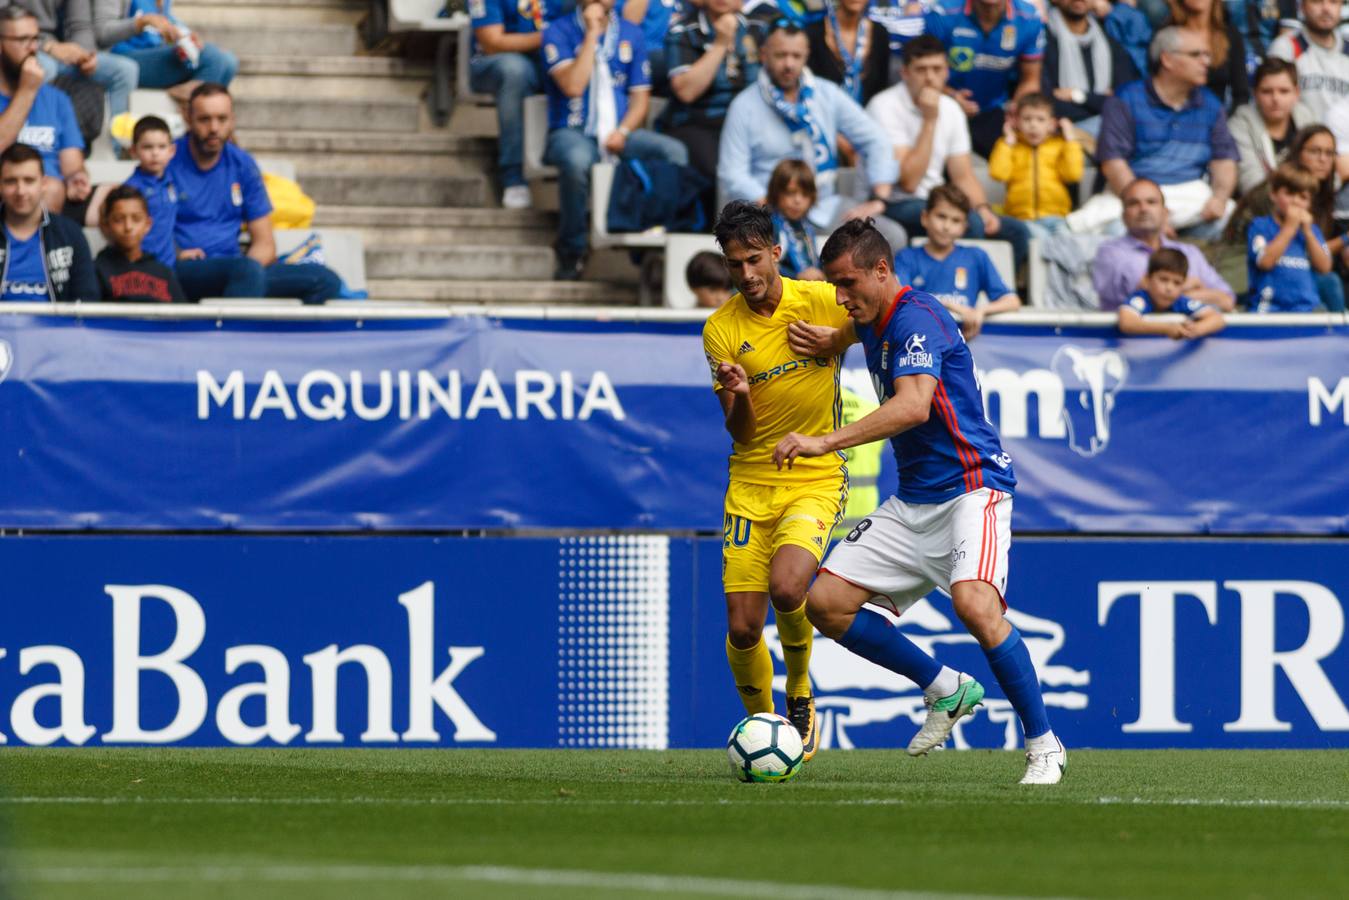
788	392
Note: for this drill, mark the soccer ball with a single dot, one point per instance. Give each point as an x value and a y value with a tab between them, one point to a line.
765	747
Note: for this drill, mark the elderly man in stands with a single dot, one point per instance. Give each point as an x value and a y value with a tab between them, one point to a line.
791	113
1121	263
996	48
599	91
69	47
38	114
220	192
141	31
1172	130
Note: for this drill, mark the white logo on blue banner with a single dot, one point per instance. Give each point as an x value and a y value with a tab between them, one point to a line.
851	692
6	359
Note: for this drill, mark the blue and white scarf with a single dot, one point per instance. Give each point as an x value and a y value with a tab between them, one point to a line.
803	120
797	240
602	105
855	59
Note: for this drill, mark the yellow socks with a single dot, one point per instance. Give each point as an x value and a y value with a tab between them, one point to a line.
797	636
753	672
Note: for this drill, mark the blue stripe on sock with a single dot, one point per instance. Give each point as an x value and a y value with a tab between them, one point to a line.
1011	665
872	637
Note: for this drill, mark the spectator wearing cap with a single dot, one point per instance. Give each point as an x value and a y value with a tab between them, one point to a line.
220	192
1172	130
789	112
995	48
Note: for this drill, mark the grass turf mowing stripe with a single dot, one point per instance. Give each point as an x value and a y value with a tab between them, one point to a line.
1036	797
504	875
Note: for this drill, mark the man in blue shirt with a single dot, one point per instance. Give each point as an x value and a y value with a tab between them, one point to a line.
38	114
599	90
42	256
507	35
948	525
1171	130
995	48
220	191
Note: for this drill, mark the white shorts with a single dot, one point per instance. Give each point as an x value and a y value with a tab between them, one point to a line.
903	550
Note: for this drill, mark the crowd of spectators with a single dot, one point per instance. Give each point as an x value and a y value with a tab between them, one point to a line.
173	230
1176	113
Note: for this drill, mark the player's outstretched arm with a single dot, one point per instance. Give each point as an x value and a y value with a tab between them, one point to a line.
820	340
908	408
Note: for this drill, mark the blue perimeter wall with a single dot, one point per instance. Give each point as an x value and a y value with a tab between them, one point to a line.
228	638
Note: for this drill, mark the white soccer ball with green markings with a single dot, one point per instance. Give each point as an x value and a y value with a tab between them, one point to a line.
765	747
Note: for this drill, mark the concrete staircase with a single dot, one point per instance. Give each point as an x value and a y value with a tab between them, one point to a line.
364	148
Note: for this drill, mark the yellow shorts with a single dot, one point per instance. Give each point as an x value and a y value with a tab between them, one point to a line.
760	518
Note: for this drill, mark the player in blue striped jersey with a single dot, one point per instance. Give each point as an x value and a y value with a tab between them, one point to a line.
949	523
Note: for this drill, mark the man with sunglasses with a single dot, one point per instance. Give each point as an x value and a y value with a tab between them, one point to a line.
38	114
789	113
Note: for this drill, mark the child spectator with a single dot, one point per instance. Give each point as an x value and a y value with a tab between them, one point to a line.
1161	293
791	194
708	279
125	270
152	143
1284	249
1037	165
955	275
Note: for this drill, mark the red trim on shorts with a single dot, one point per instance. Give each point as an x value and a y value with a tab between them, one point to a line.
983	540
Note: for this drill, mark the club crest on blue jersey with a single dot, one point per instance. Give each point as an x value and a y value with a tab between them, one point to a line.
1008	37
962	278
624	51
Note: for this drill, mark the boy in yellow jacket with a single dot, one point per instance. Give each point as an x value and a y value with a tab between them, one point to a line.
1038	165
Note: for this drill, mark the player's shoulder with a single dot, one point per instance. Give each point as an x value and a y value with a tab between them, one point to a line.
919	311
810	291
724	316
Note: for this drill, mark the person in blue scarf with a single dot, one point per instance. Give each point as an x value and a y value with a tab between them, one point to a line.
791	194
850	49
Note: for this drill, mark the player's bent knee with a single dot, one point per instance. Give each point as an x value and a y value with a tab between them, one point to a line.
744	635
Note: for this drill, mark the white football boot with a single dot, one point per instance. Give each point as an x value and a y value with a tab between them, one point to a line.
1046	767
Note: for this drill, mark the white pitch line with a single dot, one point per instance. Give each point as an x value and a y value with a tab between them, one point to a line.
1039	798
649	883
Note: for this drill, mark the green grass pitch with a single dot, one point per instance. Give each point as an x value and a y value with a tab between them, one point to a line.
93	823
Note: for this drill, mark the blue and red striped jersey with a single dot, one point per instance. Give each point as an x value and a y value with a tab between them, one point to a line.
956	450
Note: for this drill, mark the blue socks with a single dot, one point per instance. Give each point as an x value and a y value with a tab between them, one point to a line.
1011	664
872	637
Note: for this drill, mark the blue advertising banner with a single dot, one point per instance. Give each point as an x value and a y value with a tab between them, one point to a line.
475	423
618	641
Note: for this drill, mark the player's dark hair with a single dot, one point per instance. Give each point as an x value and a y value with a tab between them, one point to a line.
860	239
921	46
1036	101
117	195
787	172
149	125
951	196
707	270
19	153
744	223
1168	259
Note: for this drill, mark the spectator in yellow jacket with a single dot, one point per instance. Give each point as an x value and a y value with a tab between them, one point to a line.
1038	165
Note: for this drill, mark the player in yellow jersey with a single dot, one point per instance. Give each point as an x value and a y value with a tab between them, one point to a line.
777	522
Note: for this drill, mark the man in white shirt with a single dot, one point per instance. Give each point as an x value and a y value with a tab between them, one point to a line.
931	138
1320	54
